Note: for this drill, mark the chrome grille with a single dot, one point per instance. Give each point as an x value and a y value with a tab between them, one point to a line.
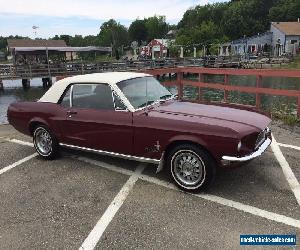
261	137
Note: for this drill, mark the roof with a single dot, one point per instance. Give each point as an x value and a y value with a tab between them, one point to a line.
13	43
245	39
165	42
288	28
64	49
112	78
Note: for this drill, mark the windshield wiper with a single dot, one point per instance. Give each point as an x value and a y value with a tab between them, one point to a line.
165	96
146	104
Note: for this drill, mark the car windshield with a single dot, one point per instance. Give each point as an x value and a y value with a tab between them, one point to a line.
143	91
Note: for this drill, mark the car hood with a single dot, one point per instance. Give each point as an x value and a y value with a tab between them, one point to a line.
218	113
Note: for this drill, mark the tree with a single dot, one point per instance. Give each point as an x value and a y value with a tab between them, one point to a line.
113	34
138	31
285	10
156	27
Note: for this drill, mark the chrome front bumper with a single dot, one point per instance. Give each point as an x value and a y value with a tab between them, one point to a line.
255	154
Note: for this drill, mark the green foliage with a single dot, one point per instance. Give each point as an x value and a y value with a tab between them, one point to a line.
113	33
285	10
3	41
246	18
156	27
138	31
232	20
295	64
207	13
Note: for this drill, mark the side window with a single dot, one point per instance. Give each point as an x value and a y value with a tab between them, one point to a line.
93	96
66	99
118	103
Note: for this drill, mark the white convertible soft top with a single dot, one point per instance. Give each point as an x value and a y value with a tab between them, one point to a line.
112	78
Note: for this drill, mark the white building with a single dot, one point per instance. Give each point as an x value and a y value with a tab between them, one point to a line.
286	37
283	37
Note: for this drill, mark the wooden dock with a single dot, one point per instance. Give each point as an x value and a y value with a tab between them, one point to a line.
69	69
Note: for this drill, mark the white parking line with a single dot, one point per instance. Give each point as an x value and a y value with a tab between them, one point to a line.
220	200
104	165
226	202
3	170
288	146
229	203
25	143
95	235
287	171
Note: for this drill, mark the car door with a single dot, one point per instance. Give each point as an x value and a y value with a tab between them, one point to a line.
95	118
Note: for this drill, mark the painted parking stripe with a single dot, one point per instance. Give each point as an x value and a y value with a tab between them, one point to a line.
3	170
287	171
230	203
104	165
239	206
95	235
213	198
25	143
288	146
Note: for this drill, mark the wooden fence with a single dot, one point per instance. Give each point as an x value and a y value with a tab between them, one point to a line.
69	69
258	89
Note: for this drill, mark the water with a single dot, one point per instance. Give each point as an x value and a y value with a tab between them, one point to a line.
13	92
273	104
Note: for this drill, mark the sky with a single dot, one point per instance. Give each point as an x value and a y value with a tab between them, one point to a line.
83	17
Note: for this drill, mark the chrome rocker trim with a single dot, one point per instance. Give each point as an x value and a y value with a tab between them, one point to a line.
255	154
123	156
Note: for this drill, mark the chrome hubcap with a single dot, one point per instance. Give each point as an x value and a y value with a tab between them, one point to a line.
188	167
43	141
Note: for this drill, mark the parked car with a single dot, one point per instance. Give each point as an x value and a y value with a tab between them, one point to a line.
132	116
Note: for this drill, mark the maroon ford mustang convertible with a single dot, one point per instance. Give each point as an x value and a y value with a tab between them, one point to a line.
132	116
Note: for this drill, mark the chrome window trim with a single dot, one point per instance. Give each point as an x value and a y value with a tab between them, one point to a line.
113	93
119	93
103	152
71	96
123	98
127	103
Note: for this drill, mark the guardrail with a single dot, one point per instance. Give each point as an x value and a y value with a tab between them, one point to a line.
258	89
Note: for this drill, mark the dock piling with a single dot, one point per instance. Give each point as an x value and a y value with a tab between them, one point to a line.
47	82
1	86
26	84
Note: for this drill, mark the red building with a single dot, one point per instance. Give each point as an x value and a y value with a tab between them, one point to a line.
157	48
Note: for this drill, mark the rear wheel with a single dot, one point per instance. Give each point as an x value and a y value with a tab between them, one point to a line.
191	168
45	142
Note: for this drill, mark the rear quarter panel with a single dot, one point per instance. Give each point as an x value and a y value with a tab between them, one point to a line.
22	114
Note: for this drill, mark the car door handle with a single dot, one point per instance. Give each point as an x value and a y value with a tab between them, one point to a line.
70	113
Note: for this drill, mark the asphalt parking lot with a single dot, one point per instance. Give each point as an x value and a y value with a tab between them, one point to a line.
83	200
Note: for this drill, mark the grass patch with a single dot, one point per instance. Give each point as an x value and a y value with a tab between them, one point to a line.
287	119
295	64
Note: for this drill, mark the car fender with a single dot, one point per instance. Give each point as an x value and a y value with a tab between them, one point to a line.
188	138
37	120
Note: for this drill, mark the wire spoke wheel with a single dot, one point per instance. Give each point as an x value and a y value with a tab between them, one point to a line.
43	141
188	167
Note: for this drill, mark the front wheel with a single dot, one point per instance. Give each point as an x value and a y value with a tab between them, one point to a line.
45	142
192	168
